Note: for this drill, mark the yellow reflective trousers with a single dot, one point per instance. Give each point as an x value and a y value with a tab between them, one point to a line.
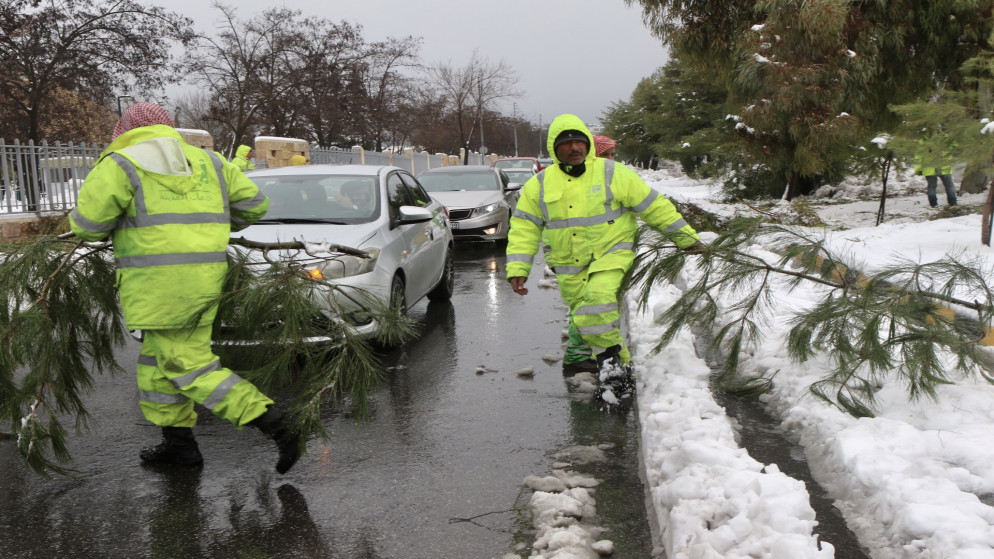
177	368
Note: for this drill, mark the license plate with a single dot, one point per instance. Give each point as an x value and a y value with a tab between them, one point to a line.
454	224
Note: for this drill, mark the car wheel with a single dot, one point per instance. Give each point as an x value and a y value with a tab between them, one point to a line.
443	291
397	297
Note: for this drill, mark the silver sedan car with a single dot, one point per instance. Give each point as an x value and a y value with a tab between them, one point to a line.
382	210
479	199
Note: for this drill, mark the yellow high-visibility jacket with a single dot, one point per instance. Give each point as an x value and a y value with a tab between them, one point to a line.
171	208
241	159
930	159
590	220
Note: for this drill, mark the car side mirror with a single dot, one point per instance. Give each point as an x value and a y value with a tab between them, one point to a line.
514	185
414	214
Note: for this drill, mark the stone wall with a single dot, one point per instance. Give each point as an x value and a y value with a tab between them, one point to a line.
27	227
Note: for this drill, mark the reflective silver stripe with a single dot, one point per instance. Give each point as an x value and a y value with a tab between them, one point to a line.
160	398
171	219
527	258
91	226
239	223
608	178
541	195
520	214
644	204
675	226
568	270
621	246
221	391
597	309
598	329
189	378
129	169
148	360
219	169
585	221
172	259
243	205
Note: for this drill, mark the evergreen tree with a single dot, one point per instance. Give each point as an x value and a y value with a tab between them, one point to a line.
812	79
667	110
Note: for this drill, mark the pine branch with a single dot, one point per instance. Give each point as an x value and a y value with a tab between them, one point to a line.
283	330
892	325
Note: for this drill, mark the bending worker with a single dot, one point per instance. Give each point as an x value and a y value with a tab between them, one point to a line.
171	208
587	207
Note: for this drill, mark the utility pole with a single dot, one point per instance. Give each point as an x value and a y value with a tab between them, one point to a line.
539	135
479	85
514	122
119	97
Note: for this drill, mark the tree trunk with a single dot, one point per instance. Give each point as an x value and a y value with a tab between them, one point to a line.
974	181
883	192
985	228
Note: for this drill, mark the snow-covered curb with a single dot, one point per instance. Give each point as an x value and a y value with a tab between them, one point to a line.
711	499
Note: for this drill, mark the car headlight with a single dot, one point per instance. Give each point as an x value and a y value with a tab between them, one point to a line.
344	266
484	210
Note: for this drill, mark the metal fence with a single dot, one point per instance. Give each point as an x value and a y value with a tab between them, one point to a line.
45	178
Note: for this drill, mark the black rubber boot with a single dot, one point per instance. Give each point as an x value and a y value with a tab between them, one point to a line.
274	424
178	447
615	376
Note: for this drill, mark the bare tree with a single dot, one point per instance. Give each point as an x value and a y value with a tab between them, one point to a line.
91	48
193	110
469	90
326	92
384	86
248	66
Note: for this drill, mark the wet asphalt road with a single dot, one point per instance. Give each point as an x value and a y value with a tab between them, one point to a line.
434	472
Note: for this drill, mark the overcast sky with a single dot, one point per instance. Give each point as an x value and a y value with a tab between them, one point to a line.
571	56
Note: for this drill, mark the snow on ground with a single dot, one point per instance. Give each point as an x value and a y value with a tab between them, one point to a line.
916	481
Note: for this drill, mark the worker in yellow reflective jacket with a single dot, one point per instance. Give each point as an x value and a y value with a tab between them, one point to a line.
171	208
243	158
587	208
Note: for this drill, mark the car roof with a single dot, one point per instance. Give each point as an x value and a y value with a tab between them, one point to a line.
460	168
367	170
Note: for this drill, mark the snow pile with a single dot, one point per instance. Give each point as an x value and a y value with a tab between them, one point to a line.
711	498
558	505
916	481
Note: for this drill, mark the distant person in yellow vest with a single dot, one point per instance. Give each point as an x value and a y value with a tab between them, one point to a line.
243	158
298	159
934	163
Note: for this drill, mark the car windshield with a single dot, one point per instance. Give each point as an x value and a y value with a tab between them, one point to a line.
451	182
323	198
515	164
519	175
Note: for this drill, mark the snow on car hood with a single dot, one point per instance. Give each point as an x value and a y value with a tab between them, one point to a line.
467	198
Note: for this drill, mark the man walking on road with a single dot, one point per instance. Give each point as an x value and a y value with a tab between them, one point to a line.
587	207
171	208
